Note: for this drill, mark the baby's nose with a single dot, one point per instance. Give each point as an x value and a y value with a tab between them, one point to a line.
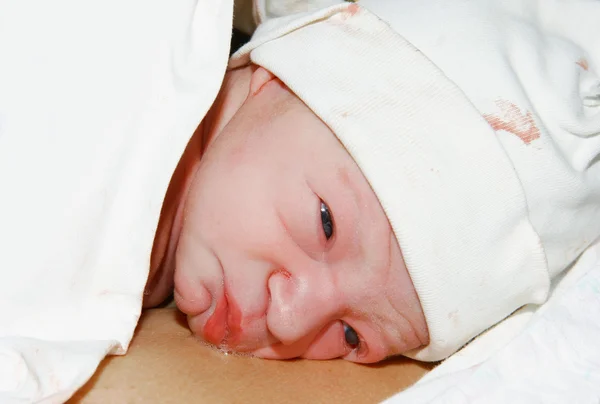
301	304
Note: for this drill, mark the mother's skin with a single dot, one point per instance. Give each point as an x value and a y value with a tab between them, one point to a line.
166	363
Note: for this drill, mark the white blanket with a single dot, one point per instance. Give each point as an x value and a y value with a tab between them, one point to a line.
97	103
549	354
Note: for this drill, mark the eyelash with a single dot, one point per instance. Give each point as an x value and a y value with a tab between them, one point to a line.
353	346
327	221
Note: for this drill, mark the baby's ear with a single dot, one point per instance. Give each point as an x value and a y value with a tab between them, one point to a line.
260	77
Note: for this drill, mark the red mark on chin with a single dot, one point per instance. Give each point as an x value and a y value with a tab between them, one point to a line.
511	119
224	327
583	63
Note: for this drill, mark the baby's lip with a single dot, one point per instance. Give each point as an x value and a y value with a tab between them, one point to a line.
216	328
223	327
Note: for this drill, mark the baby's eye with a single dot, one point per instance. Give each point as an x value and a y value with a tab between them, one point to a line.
326	220
351	337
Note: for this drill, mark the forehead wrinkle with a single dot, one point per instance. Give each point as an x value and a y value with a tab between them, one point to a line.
384	326
378	314
385	321
394	336
394	346
383	315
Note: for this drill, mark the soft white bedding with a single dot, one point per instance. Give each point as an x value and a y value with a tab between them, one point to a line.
97	103
549	354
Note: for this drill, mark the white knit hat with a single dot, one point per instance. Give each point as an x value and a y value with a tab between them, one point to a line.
449	190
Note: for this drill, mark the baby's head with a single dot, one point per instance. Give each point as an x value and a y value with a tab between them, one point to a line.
347	202
284	250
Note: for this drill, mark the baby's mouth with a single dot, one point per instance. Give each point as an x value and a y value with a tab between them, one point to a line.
216	329
223	328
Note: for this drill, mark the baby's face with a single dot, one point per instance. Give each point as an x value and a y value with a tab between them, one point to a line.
284	250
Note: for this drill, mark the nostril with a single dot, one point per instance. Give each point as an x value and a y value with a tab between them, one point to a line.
283	272
194	300
279	286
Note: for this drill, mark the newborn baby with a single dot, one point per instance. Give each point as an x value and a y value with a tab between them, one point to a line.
274	239
371	182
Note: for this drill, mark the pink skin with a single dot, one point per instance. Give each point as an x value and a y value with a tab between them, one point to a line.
241	236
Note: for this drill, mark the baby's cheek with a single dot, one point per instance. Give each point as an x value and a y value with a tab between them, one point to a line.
328	344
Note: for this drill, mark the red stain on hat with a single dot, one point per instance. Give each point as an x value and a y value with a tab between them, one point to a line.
511	119
352	9
583	63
